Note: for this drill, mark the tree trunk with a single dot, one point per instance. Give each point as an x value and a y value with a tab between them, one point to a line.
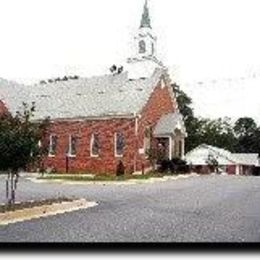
11	186
7	187
14	185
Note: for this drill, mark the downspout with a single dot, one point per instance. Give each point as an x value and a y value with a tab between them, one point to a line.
136	141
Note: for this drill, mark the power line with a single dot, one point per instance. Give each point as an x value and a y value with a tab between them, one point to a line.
231	80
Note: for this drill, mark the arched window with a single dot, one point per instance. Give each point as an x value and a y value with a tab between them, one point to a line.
119	144
142	48
94	145
52	145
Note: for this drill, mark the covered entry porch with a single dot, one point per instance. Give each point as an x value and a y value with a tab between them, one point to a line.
170	134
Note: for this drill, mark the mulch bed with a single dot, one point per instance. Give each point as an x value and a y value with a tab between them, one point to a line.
30	204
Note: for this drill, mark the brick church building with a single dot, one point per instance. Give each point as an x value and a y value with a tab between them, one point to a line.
99	121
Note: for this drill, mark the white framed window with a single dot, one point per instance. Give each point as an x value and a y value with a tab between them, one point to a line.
52	145
94	145
147	140
119	144
72	149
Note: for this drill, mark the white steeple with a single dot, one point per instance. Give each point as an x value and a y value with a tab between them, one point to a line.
144	56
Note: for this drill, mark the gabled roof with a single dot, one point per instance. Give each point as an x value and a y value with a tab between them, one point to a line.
247	158
169	123
108	95
199	156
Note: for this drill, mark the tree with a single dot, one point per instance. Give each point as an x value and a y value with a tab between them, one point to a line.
219	133
257	141
192	124
193	127
245	126
213	132
184	102
212	162
248	135
19	145
243	137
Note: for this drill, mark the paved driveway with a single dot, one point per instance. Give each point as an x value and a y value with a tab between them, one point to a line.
205	208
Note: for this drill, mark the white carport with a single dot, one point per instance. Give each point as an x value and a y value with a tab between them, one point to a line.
201	154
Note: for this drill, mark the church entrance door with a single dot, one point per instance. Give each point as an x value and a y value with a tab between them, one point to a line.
162	148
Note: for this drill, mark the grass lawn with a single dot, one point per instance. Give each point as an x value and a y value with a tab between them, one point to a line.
78	177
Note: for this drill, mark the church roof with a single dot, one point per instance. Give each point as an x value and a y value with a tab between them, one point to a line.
108	95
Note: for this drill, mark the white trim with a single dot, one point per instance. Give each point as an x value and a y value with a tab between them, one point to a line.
183	148
237	169
170	148
71	155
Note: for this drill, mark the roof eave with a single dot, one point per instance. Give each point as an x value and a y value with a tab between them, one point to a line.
89	118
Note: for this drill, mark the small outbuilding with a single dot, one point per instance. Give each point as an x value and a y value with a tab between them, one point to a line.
206	159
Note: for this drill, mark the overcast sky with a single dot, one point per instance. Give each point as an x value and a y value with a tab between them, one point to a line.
211	41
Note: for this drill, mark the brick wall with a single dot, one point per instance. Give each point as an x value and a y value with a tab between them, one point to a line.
83	162
159	103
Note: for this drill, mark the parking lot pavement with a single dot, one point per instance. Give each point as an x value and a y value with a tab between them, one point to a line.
197	209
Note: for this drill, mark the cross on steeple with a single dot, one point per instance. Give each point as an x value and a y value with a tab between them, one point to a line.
146	21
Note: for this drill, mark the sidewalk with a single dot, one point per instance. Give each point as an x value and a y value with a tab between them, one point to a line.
44	211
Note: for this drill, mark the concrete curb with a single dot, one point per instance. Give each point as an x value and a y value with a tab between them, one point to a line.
118	183
44	211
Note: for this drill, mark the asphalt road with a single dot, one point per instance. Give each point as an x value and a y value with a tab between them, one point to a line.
197	209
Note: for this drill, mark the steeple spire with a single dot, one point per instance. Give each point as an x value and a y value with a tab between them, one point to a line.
146	21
